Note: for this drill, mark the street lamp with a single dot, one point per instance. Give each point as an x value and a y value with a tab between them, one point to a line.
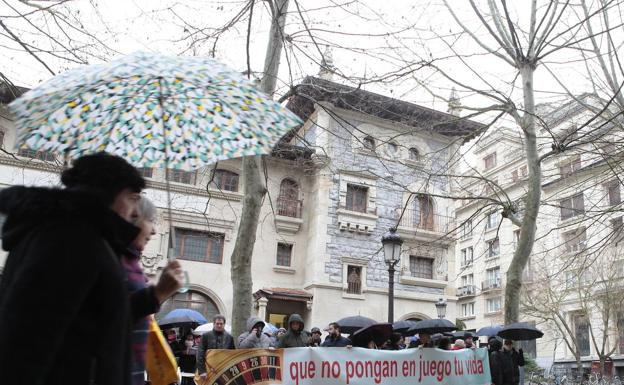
391	242
441	308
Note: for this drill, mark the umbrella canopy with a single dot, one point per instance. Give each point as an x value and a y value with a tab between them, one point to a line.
269	328
154	111
432	326
350	325
180	317
403	327
520	331
201	329
379	333
489	331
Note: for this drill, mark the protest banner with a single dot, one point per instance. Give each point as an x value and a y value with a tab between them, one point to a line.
346	366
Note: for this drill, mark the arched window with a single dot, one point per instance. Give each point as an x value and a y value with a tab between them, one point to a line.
190	300
414	154
393	148
369	143
422	216
225	180
288	203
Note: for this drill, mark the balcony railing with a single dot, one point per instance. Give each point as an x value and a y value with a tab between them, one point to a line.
491	284
466	291
416	219
289	207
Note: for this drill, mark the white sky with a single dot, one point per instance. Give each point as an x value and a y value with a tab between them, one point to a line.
358	31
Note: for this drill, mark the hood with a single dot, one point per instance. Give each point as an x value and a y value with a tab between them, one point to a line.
252	321
296	318
27	208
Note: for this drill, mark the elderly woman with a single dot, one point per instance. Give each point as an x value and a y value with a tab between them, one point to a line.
145	299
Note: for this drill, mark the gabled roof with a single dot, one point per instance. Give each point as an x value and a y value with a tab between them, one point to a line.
284	293
9	92
313	90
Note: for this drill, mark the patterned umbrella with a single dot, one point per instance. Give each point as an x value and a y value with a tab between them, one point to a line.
154	111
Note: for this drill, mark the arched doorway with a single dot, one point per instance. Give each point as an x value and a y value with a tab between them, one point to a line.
288	201
190	300
423	210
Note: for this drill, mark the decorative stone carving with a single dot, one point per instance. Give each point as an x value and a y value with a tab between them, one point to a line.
152	263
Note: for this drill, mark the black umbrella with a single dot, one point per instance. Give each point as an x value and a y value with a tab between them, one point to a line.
489	331
520	331
403	327
379	333
350	325
432	326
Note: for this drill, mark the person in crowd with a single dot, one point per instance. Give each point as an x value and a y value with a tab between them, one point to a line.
444	343
280	333
469	340
145	299
64	247
187	361
459	344
497	370
217	338
174	344
423	341
315	337
517	360
254	337
394	343
335	339
295	337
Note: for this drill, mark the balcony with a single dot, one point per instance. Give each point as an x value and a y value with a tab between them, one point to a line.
288	218
491	285
418	224
466	291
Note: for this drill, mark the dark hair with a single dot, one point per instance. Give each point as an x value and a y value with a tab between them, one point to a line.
335	325
444	343
218	316
103	175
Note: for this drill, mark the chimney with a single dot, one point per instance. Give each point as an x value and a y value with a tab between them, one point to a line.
454	104
327	65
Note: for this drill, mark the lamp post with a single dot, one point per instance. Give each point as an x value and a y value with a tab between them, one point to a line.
441	308
391	242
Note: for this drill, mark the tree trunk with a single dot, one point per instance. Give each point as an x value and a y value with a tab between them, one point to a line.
254	189
532	201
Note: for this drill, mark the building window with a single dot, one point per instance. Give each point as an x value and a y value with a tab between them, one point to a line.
493	305
199	246
491	220
421	267
569	167
393	148
357	197
575	240
181	176
414	154
516	239
514	176
225	180
581	329
493	248
369	143
1	138
422	215
613	193
288	203
492	280
572	206
284	254
466	256
354	279
467	280
467	228
468	309
616	228
489	161
146	172
529	347
524	171
46	156
189	300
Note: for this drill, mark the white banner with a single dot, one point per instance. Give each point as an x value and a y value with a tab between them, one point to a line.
346	366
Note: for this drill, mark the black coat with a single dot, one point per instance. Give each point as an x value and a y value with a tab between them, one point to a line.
212	340
338	342
63	282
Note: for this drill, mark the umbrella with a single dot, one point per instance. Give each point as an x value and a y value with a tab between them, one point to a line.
352	324
520	331
378	332
403	327
269	328
179	317
432	326
462	334
154	111
201	329
489	330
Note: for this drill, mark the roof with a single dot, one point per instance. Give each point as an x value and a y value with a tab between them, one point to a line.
313	90
283	293
9	92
